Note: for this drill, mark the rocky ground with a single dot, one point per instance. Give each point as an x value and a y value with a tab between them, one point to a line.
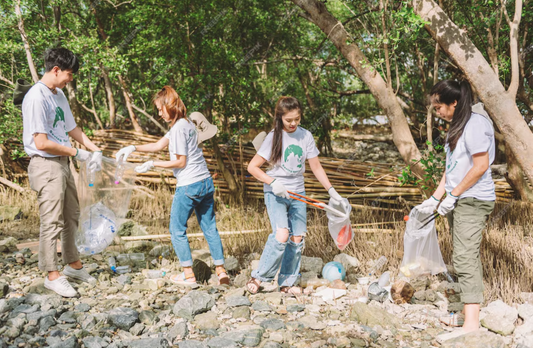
129	310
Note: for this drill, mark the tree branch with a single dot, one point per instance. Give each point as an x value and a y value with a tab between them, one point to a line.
513	36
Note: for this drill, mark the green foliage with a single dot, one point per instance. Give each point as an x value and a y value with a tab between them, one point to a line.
433	161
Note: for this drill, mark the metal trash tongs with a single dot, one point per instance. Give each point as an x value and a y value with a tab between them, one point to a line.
429	219
316	203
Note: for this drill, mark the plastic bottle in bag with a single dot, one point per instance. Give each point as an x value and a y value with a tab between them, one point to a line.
91	175
119	172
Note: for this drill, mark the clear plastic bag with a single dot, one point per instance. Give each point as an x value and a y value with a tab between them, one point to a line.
340	228
421	247
104	199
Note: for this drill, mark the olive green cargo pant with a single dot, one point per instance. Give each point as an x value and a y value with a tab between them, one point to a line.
58	209
467	222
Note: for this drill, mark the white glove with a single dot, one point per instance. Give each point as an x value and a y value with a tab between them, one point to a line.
333	194
95	163
125	151
279	189
82	155
143	168
428	206
447	205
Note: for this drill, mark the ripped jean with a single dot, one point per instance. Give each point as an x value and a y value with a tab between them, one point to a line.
292	215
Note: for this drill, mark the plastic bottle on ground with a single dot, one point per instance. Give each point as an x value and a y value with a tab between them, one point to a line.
378	265
154	273
136	257
112	264
123	269
384	280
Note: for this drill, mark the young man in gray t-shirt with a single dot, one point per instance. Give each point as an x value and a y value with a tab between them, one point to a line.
47	124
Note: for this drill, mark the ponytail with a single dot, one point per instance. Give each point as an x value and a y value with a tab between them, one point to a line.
447	92
284	105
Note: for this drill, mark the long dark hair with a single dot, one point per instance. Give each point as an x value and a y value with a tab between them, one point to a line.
448	91
284	105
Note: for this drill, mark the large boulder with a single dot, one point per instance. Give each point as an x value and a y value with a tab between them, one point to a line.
8	245
195	302
372	316
124	318
311	264
477	339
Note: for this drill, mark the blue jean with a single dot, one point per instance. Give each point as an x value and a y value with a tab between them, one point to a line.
197	197
292	215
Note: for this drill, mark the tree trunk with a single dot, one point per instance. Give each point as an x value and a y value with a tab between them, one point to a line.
129	106
110	98
73	102
317	13
498	102
27	48
515	177
232	184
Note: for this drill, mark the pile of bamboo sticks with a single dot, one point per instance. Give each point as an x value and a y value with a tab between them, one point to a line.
373	185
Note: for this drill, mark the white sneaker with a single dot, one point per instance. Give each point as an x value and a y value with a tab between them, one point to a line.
78	274
60	286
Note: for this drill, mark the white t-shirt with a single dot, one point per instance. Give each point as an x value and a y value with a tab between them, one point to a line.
477	137
183	140
296	148
47	113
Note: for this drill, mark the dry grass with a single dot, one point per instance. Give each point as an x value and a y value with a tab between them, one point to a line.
507	249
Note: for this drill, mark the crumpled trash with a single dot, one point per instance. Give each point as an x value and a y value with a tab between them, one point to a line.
330	294
376	292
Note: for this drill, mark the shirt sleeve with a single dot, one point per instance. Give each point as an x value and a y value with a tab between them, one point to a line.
479	135
179	138
35	112
265	150
311	149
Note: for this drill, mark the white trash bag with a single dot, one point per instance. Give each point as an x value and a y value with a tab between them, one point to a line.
99	225
421	247
339	225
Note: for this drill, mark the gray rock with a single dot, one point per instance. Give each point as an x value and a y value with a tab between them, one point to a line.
241	278
218	342
236	301
312	322
525	311
273	324
241	312
296	308
498	324
17	322
124	279
12	332
207	321
36	316
195	302
350	263
311	264
249	337
68	317
158	342
148	317
3	344
87	321
71	342
261	306
178	331
82	307
271	344
137	329
5	306
231	264
477	339
123	318
500	309
372	316
45	323
23	308
94	342
525	329
191	344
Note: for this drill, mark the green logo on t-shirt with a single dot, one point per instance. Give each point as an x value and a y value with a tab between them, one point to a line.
293	159
60	116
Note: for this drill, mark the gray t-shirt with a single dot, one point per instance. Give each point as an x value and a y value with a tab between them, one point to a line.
297	147
477	137
47	113
183	140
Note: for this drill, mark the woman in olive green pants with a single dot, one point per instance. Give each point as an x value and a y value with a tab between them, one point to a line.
468	186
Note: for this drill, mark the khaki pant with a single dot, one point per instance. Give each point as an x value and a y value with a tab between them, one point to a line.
467	222
58	209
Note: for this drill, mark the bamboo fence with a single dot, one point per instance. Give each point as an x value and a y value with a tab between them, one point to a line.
365	184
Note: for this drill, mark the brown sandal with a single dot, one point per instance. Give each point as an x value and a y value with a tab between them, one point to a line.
222	275
255	283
